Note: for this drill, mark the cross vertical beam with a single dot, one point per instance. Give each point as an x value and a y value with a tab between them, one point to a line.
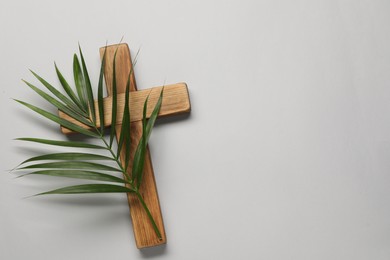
144	233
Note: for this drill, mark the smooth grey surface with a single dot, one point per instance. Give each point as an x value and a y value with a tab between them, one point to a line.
284	156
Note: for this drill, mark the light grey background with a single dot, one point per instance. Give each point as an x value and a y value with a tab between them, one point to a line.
286	154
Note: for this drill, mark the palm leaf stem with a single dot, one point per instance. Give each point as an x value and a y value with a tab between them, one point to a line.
115	157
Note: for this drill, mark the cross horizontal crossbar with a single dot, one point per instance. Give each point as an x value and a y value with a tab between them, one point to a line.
175	101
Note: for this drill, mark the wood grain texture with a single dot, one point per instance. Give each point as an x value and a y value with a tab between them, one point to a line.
144	234
175	101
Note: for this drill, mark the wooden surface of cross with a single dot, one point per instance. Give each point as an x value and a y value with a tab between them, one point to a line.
175	101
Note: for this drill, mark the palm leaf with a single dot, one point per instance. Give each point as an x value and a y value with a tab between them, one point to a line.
127	125
139	156
79	82
153	116
114	101
89	188
100	93
77	174
81	107
125	119
71	165
62	143
88	88
67	156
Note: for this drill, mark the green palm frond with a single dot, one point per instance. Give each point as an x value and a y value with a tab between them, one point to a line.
79	104
89	188
67	157
114	99
79	174
100	92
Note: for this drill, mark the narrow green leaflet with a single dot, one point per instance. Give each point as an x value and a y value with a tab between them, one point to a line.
153	116
125	119
114	101
68	156
100	93
59	105
59	120
89	188
139	156
77	174
79	81
127	125
68	89
71	165
88	88
62	143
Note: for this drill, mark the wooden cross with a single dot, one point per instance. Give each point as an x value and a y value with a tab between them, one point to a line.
175	101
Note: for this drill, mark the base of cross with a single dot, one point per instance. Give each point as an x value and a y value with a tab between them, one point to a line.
175	101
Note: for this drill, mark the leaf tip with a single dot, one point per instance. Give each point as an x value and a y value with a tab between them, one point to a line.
31	196
17	177
13	169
